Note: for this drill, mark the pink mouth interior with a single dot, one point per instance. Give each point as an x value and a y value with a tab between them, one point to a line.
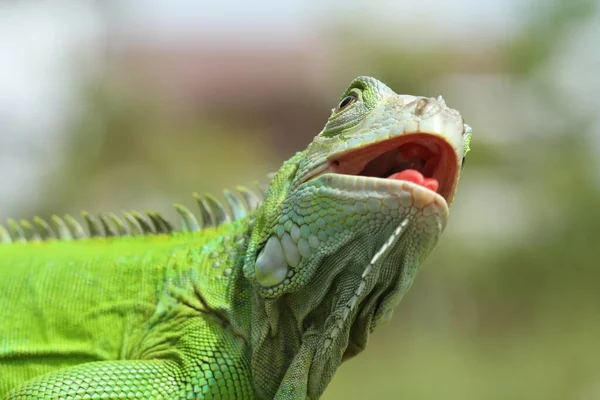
423	159
418	156
414	176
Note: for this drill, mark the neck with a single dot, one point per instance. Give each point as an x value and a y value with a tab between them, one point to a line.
305	332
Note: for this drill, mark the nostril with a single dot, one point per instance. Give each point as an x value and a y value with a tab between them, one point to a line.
336	163
420	106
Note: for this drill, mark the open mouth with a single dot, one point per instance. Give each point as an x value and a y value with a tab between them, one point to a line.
423	159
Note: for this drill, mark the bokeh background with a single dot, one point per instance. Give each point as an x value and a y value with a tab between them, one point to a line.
130	104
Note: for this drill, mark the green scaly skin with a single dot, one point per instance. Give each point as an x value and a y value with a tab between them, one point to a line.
264	306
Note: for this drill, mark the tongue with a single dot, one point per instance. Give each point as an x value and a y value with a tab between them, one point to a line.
414	176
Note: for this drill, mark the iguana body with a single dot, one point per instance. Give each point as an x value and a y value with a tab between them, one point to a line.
260	302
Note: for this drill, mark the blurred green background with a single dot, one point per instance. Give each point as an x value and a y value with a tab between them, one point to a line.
134	105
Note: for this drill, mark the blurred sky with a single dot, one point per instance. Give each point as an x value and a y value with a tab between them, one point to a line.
299	18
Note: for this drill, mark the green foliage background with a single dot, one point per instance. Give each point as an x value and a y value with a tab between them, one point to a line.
508	306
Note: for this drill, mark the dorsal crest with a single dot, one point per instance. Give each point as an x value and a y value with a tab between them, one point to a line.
238	204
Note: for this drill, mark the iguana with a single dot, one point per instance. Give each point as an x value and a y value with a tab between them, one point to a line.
261	301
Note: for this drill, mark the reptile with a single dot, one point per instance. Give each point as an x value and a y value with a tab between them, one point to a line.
261	295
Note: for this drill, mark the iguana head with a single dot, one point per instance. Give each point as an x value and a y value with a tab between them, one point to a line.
346	223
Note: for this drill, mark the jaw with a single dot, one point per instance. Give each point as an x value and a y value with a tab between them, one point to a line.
428	154
370	174
386	163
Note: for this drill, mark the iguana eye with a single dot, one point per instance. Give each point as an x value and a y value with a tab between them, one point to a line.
346	101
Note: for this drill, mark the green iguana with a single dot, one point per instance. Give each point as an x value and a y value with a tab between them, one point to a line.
261	301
